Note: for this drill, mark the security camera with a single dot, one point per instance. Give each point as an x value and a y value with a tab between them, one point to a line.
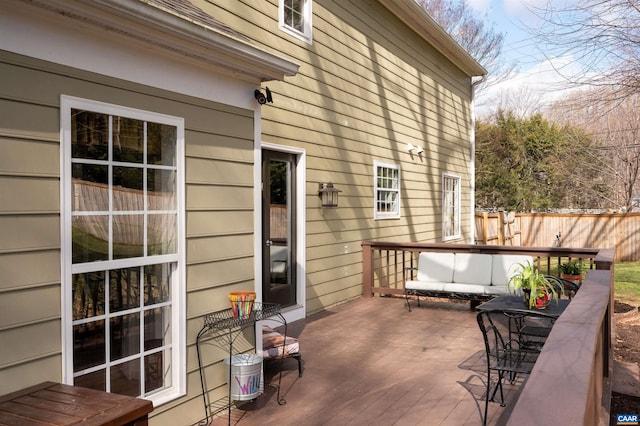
260	97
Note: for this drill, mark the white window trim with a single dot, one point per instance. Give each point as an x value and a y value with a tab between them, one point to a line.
307	34
178	294
457	233
385	215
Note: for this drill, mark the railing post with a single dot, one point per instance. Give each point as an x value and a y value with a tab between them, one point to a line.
367	269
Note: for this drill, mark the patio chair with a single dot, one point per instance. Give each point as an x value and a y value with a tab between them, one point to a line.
504	356
529	330
563	286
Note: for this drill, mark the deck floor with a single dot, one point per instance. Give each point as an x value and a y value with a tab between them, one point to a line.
372	362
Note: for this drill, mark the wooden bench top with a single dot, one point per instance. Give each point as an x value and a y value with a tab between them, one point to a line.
52	403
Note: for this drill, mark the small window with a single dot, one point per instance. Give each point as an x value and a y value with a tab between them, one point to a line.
450	207
387	191
295	18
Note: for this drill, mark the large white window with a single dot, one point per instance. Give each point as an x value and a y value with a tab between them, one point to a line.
123	250
387	190
295	18
450	207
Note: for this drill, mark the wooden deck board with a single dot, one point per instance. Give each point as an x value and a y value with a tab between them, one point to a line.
370	361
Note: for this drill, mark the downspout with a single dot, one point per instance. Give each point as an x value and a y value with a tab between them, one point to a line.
472	166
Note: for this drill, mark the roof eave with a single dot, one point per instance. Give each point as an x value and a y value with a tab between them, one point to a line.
178	36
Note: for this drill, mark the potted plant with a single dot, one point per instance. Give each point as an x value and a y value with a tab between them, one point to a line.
536	289
571	271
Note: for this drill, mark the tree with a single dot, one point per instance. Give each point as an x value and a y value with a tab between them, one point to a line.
614	126
530	164
602	37
483	43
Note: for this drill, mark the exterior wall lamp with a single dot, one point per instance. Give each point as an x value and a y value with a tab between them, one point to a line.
414	149
329	195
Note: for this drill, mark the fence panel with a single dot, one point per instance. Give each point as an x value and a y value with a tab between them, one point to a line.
620	231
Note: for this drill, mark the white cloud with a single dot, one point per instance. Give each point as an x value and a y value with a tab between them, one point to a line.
542	82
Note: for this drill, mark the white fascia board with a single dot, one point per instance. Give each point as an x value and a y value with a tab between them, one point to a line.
161	29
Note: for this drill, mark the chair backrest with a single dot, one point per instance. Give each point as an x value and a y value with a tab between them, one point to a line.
494	342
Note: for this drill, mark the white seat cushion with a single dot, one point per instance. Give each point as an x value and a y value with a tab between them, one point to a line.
472	268
505	266
465	288
498	290
424	285
436	267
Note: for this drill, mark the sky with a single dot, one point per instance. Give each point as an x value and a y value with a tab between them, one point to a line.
535	73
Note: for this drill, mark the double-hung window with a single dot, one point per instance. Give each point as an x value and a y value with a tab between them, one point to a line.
450	207
386	191
295	18
123	249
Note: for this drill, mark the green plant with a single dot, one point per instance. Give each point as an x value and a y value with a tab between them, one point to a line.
529	280
572	267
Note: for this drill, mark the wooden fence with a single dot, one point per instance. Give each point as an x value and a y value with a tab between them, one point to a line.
619	231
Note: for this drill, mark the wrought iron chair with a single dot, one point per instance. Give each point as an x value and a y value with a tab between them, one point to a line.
530	330
504	355
569	288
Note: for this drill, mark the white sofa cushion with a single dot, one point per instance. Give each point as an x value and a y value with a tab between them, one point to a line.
465	288
436	267
505	266
472	268
425	285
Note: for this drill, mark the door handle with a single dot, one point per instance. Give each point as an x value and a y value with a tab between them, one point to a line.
269	243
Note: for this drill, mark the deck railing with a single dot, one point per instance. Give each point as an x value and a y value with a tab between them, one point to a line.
571	381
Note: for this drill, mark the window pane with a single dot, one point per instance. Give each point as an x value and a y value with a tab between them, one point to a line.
128	140
89	135
161	234
157	328
124	335
125	378
161	187
293	14
89	187
128	236
90	238
157	371
156	283
88	345
128	178
96	380
124	287
161	144
88	295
